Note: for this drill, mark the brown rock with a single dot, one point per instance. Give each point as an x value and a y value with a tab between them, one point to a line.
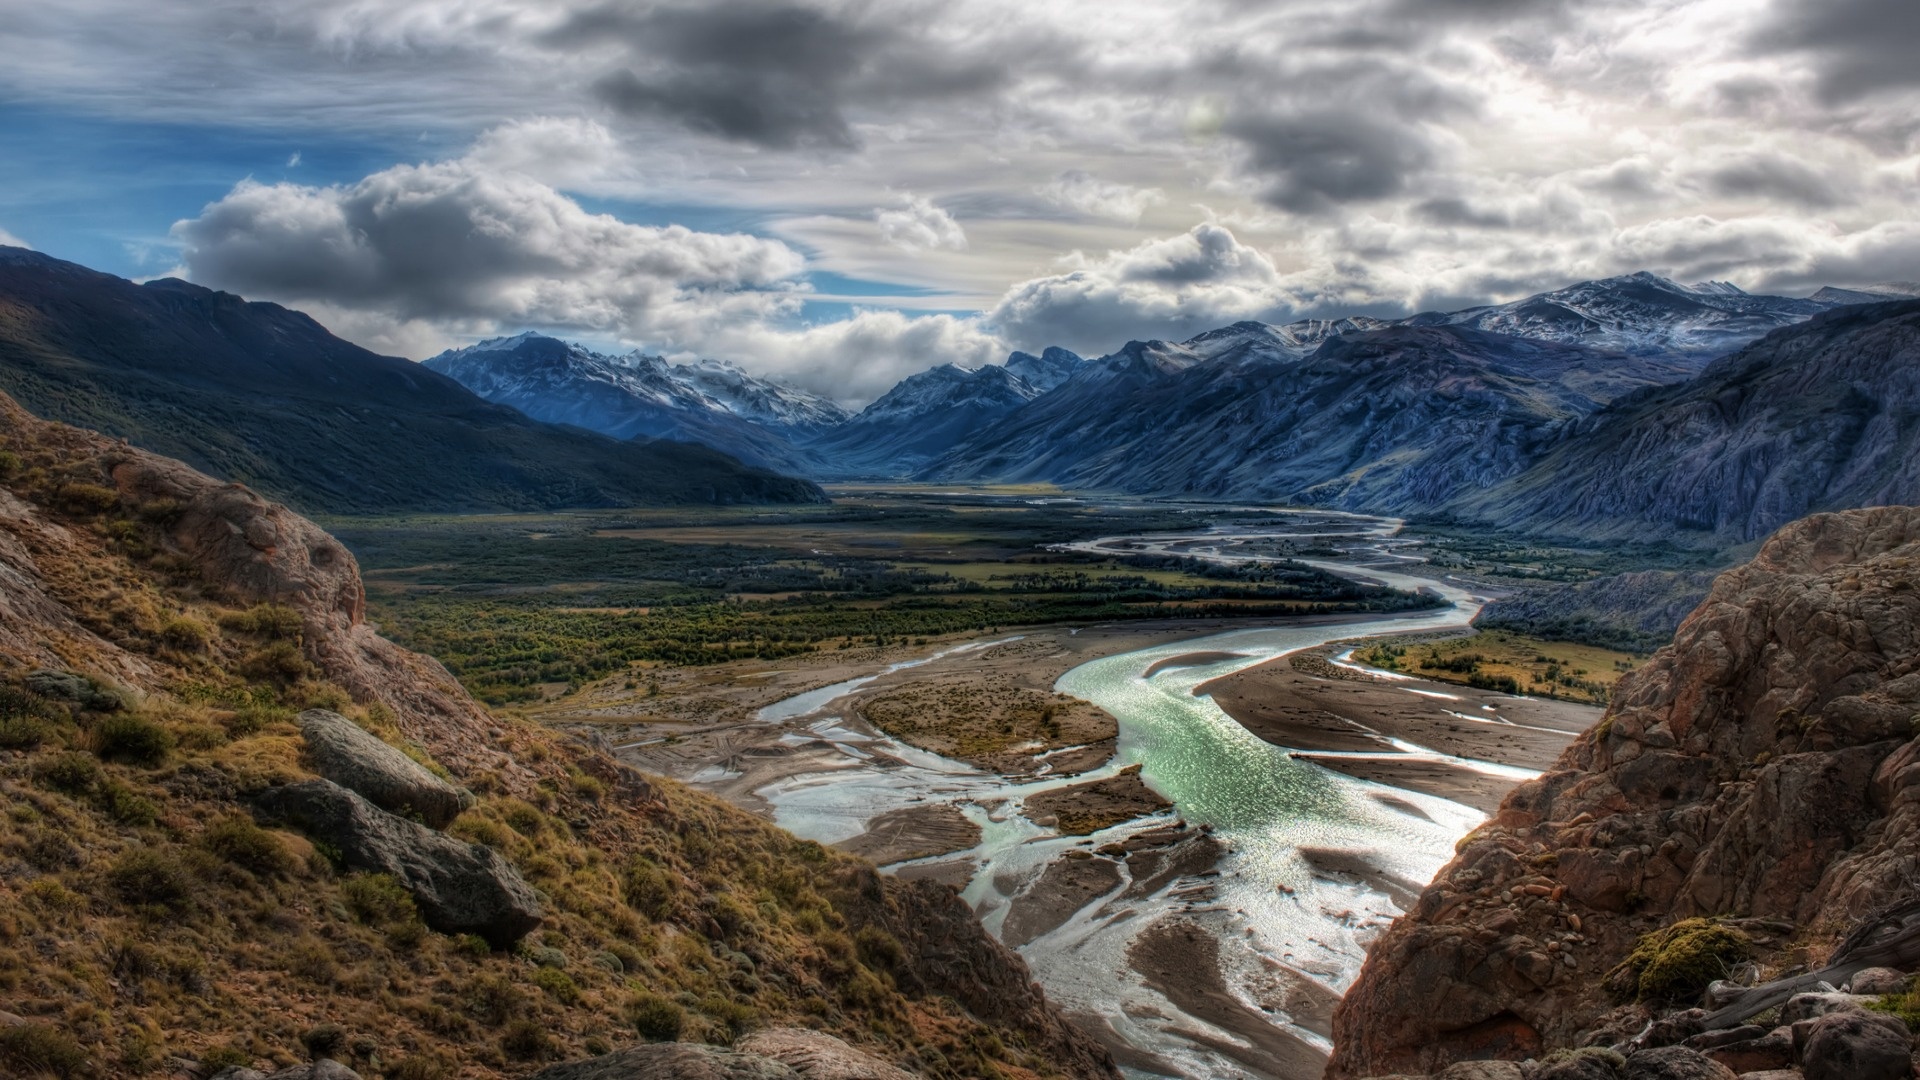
1674	1063
1858	1046
1878	980
1760	767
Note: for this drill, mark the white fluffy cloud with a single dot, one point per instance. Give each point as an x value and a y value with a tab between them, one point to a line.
1170	287
7	239
917	224
1084	193
856	359
459	242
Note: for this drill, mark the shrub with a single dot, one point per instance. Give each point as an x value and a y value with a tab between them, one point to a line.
151	877
378	899
878	949
524	819
274	621
558	984
280	663
76	498
123	804
525	1040
1675	964
248	846
656	1018
648	890
131	737
31	1049
187	635
23	732
72	774
224	1057
736	1017
493	999
324	1041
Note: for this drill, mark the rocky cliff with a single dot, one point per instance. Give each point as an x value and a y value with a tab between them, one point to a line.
239	819
1762	772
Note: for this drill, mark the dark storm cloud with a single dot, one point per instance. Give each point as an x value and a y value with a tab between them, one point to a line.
1859	47
770	73
1774	178
1319	158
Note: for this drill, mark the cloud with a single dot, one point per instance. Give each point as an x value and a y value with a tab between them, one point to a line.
1084	193
454	241
918	224
772	73
856	359
1858	47
1774	177
7	239
1168	287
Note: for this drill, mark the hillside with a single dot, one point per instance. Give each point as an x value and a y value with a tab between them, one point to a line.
1634	612
1819	416
182	662
1748	797
257	393
1390	420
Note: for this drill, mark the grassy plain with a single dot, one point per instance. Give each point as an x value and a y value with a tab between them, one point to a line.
520	606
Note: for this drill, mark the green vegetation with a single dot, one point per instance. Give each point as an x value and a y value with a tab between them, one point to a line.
1674	964
1510	663
513	605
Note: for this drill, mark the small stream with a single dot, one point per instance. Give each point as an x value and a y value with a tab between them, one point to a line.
1264	805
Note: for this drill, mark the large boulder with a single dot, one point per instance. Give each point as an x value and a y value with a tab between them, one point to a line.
819	1056
1856	1045
461	888
1592	1063
354	758
1675	1063
671	1061
1878	980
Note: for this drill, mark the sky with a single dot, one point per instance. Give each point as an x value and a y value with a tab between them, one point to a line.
842	193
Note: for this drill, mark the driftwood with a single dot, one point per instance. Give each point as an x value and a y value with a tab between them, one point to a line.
1888	938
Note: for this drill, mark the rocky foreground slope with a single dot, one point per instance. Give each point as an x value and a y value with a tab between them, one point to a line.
1752	795
243	829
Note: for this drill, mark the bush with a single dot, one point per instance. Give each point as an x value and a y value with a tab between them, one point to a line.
525	1040
248	846
77	498
648	890
187	635
656	1018
71	774
23	732
558	984
151	877
378	899
123	804
324	1041
32	1049
419	1067
1675	964
280	663
131	737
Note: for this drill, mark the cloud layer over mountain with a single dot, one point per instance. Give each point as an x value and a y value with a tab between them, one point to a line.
977	175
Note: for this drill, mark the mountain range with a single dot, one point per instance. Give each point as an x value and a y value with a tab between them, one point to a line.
1596	410
258	393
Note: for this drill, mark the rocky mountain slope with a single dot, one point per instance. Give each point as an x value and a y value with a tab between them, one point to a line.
1756	777
709	403
244	829
255	392
1633	612
1391	420
1642	314
921	417
1813	417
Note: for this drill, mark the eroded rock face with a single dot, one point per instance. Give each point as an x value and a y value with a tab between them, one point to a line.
816	1055
347	754
461	888
1764	766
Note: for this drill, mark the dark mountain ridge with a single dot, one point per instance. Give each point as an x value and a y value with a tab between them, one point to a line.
262	394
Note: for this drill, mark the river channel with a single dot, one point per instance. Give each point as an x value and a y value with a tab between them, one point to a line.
1267	905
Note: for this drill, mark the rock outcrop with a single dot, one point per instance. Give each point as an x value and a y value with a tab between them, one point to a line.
671	1061
1763	769
349	755
461	888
